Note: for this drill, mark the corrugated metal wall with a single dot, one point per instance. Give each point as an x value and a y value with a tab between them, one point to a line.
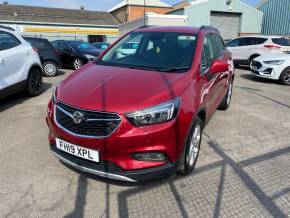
250	22
276	19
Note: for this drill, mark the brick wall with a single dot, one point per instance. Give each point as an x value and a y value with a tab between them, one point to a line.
138	11
129	13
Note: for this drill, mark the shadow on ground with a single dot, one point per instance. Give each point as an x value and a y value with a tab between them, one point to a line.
18	98
132	202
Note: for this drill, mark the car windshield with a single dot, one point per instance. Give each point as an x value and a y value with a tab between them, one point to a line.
162	51
101	45
82	46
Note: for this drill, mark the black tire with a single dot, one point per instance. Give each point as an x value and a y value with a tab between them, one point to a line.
189	157
285	76
77	63
50	69
34	82
225	104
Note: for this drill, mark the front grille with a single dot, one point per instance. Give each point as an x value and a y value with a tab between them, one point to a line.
94	124
256	64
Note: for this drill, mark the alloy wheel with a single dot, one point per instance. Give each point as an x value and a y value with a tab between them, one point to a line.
36	81
50	69
230	92
77	64
194	145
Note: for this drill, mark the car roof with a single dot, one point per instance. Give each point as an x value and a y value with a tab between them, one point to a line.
261	36
35	38
7	28
179	29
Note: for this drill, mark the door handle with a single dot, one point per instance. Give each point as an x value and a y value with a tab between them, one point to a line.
26	53
2	61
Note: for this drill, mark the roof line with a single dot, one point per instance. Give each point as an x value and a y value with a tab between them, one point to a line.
63	24
180	2
52	8
262	3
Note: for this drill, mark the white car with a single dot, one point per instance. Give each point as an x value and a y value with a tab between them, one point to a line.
245	49
128	49
20	67
276	67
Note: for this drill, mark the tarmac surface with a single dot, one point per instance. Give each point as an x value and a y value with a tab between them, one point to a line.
243	169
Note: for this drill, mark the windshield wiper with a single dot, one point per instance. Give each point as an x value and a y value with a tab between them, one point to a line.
141	68
172	69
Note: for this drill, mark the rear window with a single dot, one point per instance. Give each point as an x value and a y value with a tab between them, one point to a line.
40	44
281	41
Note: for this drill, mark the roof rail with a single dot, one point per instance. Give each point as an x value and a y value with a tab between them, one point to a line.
7	28
204	27
144	26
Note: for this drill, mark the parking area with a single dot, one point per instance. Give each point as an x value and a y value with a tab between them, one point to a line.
243	169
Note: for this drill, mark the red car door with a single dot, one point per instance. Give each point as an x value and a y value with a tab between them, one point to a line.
209	83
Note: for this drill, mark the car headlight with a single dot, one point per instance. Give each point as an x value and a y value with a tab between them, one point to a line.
90	57
274	62
155	115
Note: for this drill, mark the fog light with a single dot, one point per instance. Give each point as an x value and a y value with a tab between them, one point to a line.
150	156
268	71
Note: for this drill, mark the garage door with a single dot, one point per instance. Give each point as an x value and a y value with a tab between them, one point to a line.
227	23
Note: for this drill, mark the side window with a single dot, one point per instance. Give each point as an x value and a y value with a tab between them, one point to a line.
8	41
218	45
55	45
243	42
234	43
260	41
208	54
246	41
63	46
45	45
34	43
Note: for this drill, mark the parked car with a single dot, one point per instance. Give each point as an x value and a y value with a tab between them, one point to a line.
75	53
245	49
276	67
49	58
101	46
128	48
141	116
20	67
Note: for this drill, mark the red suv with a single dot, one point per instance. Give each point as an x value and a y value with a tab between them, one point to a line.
138	114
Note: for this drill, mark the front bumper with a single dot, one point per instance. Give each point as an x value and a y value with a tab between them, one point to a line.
265	70
112	171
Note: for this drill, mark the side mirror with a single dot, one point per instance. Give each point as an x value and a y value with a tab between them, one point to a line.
218	66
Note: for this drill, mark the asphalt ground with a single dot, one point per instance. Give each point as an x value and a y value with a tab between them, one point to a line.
243	169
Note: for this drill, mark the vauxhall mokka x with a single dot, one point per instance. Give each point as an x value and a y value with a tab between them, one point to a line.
139	115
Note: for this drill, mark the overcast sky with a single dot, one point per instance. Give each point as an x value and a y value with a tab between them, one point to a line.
102	5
